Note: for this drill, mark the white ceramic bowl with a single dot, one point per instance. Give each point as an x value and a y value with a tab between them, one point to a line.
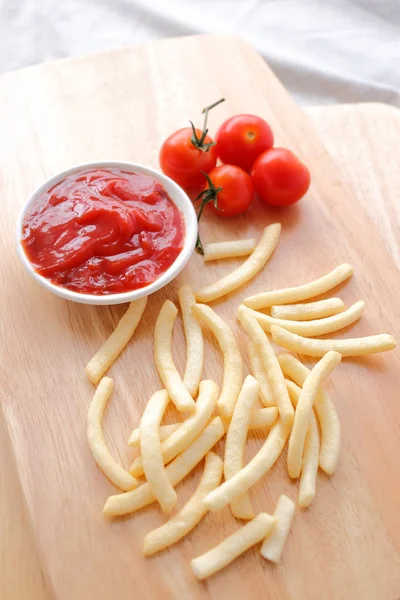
176	194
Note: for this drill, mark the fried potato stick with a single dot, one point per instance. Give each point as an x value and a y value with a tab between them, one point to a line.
326	412
233	362
308	311
304	408
233	546
315	327
229	249
110	350
254	263
194	341
150	446
190	515
253	471
301	292
236	442
270	362
189	429
273	545
346	347
180	467
164	361
97	444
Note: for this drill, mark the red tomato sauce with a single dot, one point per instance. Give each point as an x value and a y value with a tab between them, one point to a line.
103	232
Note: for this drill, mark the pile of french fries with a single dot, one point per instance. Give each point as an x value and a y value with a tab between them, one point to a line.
296	408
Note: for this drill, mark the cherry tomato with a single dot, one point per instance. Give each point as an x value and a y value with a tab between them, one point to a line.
279	177
237	190
184	162
241	139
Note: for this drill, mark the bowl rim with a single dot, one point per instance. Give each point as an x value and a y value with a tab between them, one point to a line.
177	195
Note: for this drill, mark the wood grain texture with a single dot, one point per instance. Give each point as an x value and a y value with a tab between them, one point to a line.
363	140
122	105
21	574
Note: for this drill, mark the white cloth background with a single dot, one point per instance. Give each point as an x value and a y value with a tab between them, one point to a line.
324	51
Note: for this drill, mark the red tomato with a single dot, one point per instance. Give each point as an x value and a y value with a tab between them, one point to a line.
237	190
279	177
241	139
181	160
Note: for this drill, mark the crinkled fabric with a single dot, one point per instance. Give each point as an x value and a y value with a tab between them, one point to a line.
324	51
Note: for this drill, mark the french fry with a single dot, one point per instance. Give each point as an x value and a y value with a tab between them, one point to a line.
325	409
347	347
315	327
150	447
110	350
258	371
236	441
165	432
233	546
263	417
189	429
270	362
247	270
304	407
229	249
194	341
164	361
180	467
233	363
191	514
309	465
259	419
101	454
253	471
273	545
302	292
309	311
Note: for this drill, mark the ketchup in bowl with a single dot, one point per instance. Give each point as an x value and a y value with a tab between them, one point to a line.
103	231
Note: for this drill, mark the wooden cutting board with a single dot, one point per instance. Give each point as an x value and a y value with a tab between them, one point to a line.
122	105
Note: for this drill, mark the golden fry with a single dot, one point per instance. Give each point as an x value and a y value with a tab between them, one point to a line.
101	453
347	347
233	363
309	465
194	341
325	409
258	371
110	350
260	418
236	442
181	466
191	514
150	447
270	362
233	546
189	429
304	407
309	311
263	417
315	327
302	292
230	249
247	270
165	432
253	471
164	361
272	548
